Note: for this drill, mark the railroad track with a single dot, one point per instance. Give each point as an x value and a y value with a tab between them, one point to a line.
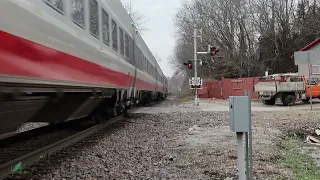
19	167
10	147
24	158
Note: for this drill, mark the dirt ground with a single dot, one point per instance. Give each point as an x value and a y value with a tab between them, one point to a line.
187	145
223	105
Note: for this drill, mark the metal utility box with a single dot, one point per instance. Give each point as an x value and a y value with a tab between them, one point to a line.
240	113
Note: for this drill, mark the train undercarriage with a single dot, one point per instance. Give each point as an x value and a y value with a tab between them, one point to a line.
21	104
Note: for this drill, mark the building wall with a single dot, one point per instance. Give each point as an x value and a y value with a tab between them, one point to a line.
303	68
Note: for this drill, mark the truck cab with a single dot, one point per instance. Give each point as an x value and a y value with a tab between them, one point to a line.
315	90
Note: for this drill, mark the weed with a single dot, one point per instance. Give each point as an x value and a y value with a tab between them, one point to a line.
301	165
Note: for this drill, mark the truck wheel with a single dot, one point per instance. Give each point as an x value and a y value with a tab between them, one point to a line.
270	102
289	100
305	100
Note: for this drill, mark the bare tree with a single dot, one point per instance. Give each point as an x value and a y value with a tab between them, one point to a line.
252	35
138	19
225	24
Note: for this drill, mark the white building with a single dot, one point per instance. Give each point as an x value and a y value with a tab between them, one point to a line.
314	68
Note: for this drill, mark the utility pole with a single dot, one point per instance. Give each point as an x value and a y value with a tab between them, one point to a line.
196	103
309	81
212	51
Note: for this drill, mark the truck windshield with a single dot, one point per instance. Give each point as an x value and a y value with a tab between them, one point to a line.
312	82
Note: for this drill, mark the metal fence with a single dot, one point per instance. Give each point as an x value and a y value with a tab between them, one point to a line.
228	87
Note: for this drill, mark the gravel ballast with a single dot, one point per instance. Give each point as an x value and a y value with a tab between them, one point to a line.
29	126
184	146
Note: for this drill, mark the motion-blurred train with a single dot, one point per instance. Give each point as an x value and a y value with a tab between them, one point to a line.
62	60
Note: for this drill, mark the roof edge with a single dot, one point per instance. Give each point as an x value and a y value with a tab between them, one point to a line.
310	45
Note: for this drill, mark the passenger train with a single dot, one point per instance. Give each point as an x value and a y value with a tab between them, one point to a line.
62	60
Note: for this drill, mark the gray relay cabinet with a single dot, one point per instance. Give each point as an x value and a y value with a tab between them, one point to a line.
240	113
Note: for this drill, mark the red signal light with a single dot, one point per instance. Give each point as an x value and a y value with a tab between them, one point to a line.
214	51
189	64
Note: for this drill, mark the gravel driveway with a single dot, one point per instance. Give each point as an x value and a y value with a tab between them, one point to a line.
184	145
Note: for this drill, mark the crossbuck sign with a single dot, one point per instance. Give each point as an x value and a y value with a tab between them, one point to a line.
195	83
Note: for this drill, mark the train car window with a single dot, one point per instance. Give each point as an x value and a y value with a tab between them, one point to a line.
126	42
142	60
56	4
146	67
94	18
147	70
143	63
105	27
78	12
114	35
121	41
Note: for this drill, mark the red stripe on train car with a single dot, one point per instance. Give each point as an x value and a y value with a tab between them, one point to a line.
21	57
140	84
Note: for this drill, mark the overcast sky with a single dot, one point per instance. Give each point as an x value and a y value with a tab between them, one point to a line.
159	36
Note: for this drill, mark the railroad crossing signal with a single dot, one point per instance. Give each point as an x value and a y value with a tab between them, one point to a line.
188	64
213	51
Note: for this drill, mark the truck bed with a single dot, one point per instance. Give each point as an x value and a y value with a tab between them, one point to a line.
276	86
